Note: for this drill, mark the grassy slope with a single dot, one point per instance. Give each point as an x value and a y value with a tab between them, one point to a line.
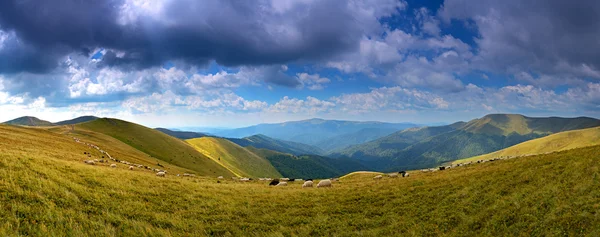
46	191
234	157
157	145
262	141
555	142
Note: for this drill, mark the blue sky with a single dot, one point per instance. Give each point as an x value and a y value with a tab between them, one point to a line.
236	63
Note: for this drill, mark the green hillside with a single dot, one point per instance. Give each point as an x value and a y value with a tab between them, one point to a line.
552	143
429	146
235	158
46	190
181	134
28	121
156	144
359	137
77	120
262	141
308	166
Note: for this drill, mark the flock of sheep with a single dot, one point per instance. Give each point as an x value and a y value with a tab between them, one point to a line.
273	182
132	166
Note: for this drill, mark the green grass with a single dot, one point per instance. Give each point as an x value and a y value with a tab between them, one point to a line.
156	144
45	190
235	158
552	143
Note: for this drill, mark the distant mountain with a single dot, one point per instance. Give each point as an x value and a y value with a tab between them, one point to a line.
416	148
345	140
556	142
235	158
181	134
81	119
29	121
262	141
311	132
308	166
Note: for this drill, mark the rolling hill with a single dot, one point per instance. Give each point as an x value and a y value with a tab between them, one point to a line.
156	144
235	158
28	121
262	141
48	191
181	134
311	132
77	120
551	143
419	148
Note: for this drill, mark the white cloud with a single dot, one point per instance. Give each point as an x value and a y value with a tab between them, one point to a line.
312	82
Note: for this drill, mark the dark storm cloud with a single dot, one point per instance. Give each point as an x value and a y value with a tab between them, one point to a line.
550	36
230	32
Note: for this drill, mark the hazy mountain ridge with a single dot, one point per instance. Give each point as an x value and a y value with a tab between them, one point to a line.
310	132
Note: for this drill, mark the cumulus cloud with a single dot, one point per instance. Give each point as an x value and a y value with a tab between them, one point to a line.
313	82
141	34
550	37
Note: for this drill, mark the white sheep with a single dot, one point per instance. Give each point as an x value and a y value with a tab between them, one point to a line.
378	177
244	179
130	167
160	174
324	183
113	166
89	162
282	184
406	175
220	177
393	175
307	184
285	179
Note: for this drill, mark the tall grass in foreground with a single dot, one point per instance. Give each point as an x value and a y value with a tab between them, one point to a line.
46	191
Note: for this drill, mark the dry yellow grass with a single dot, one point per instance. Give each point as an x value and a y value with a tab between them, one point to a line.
45	190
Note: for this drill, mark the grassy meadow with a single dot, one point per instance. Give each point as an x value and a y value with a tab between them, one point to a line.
45	190
552	143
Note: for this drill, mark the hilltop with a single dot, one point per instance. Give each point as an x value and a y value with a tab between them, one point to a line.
50	192
181	134
28	121
77	120
156	144
235	158
552	143
428	146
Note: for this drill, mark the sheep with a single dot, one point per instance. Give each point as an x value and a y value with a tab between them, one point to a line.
113	166
324	183
393	175
130	167
220	177
299	180
160	174
285	179
89	162
244	179
406	175
378	177
307	184
282	184
274	182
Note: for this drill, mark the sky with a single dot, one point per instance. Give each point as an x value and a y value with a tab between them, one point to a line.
228	63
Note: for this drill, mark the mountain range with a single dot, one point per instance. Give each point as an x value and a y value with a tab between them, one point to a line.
427	146
349	146
319	132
